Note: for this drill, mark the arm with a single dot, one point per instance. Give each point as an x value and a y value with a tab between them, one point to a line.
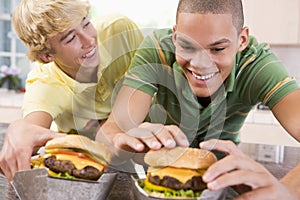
21	138
287	112
237	169
128	114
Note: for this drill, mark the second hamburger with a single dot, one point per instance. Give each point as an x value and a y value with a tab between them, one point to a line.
177	172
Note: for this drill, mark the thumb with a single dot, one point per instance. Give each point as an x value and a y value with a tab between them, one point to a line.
48	135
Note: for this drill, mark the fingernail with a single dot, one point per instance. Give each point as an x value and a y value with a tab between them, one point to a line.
170	143
203	144
186	143
155	145
139	146
205	176
212	185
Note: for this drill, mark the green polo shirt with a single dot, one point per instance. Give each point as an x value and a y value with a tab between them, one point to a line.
258	76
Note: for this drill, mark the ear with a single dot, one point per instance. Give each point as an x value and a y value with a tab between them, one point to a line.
174	34
243	39
47	58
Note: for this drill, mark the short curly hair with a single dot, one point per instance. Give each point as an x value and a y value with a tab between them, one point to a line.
233	7
35	21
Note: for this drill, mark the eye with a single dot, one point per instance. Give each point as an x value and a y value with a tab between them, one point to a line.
70	40
187	47
86	24
218	49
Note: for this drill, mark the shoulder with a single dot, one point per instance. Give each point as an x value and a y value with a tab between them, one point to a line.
163	35
255	57
115	23
39	69
254	52
48	74
159	39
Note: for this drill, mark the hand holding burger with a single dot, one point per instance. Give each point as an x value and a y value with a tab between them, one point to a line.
177	172
74	156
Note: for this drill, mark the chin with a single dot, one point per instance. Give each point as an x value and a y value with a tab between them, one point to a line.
201	92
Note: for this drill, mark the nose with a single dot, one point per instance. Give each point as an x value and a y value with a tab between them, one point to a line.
201	59
86	40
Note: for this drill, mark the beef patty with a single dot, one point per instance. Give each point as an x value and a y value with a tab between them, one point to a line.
195	183
66	166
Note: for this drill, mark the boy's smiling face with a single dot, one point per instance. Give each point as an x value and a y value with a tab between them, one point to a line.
76	49
206	47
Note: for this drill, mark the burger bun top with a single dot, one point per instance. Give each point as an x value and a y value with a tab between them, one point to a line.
180	157
97	150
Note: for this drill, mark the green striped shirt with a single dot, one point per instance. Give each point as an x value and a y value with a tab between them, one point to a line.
258	76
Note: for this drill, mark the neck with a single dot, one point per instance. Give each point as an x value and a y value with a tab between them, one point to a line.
84	75
204	101
87	76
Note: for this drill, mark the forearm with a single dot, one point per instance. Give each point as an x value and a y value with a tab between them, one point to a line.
107	132
39	118
292	181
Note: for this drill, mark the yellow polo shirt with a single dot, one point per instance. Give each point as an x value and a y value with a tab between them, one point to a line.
73	104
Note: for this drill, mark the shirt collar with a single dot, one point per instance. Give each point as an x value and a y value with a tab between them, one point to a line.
76	86
105	59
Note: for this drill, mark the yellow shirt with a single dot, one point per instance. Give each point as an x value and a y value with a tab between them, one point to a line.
73	104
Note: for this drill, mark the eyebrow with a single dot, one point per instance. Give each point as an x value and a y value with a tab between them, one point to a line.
69	32
182	39
222	41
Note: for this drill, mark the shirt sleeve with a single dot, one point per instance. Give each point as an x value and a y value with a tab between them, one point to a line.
50	98
264	79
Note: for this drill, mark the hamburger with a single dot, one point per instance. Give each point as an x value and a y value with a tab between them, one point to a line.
73	156
176	172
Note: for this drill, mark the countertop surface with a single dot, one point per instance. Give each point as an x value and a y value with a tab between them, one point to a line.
122	188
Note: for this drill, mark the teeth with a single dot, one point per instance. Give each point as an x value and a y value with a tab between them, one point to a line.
205	77
90	53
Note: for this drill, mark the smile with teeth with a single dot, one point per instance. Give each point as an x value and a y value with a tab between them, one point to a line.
91	53
204	77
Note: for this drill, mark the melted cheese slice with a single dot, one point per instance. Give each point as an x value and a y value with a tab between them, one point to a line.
181	174
79	163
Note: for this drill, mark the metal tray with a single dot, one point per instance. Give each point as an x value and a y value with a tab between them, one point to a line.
140	194
36	184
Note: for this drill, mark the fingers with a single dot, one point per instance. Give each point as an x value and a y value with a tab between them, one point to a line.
179	137
23	160
18	147
158	134
236	160
121	141
168	135
155	136
254	179
45	135
147	136
230	164
225	146
12	160
5	167
238	169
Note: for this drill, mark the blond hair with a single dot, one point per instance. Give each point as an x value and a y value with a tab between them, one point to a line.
35	21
